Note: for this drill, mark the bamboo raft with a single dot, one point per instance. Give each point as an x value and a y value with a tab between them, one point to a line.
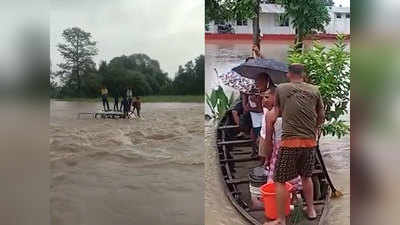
234	162
103	114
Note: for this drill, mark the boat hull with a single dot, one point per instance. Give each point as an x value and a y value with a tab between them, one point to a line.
234	161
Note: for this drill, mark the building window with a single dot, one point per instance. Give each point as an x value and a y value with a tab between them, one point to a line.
348	15
338	15
241	22
281	21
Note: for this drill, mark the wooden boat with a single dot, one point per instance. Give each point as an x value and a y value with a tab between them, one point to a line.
235	161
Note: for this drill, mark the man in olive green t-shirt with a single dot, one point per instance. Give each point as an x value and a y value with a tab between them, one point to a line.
301	107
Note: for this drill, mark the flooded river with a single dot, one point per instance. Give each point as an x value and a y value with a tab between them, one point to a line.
124	172
223	55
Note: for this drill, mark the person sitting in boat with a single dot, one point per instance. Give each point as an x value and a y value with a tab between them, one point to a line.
104	95
237	111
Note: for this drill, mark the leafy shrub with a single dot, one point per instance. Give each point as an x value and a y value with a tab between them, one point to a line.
329	68
218	102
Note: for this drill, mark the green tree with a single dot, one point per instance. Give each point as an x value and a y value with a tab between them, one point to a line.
190	78
53	88
218	102
306	16
329	68
200	75
235	10
329	2
149	70
77	51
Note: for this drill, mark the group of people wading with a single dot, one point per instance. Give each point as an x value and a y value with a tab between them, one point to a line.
284	121
128	104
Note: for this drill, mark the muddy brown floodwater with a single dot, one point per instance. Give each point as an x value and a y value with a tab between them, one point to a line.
126	172
223	55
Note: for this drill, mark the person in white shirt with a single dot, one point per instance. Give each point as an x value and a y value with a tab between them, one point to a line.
104	95
254	106
129	96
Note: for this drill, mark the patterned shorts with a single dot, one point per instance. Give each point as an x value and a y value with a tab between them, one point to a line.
292	162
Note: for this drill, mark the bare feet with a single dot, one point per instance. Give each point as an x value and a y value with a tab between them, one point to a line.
310	213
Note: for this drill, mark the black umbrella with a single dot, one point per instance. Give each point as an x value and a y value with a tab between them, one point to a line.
275	69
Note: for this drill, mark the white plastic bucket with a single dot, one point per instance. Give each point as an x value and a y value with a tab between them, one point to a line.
256	200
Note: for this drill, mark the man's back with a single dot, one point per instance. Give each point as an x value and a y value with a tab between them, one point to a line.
299	104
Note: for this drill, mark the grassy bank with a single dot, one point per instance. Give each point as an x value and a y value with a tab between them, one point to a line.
151	98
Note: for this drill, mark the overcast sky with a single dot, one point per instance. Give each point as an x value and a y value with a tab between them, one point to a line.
171	32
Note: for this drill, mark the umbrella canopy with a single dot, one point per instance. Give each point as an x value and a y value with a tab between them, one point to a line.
275	69
240	83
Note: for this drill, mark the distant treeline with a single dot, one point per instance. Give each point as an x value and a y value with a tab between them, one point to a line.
137	71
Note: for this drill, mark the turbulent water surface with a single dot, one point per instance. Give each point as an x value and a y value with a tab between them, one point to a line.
223	55
117	171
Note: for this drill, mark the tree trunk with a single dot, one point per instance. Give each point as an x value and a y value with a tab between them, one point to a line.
298	41
77	65
256	25
78	81
79	84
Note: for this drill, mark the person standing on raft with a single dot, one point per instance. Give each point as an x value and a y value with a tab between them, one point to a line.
115	94
136	105
104	95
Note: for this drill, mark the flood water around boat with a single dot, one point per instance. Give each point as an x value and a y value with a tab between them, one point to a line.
223	55
116	171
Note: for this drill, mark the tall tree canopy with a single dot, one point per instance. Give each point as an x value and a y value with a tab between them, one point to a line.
329	2
77	50
139	72
79	76
307	16
189	80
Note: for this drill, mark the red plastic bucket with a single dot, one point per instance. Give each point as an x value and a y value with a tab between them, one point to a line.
269	198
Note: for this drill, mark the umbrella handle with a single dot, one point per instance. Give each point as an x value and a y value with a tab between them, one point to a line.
218	81
215	69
